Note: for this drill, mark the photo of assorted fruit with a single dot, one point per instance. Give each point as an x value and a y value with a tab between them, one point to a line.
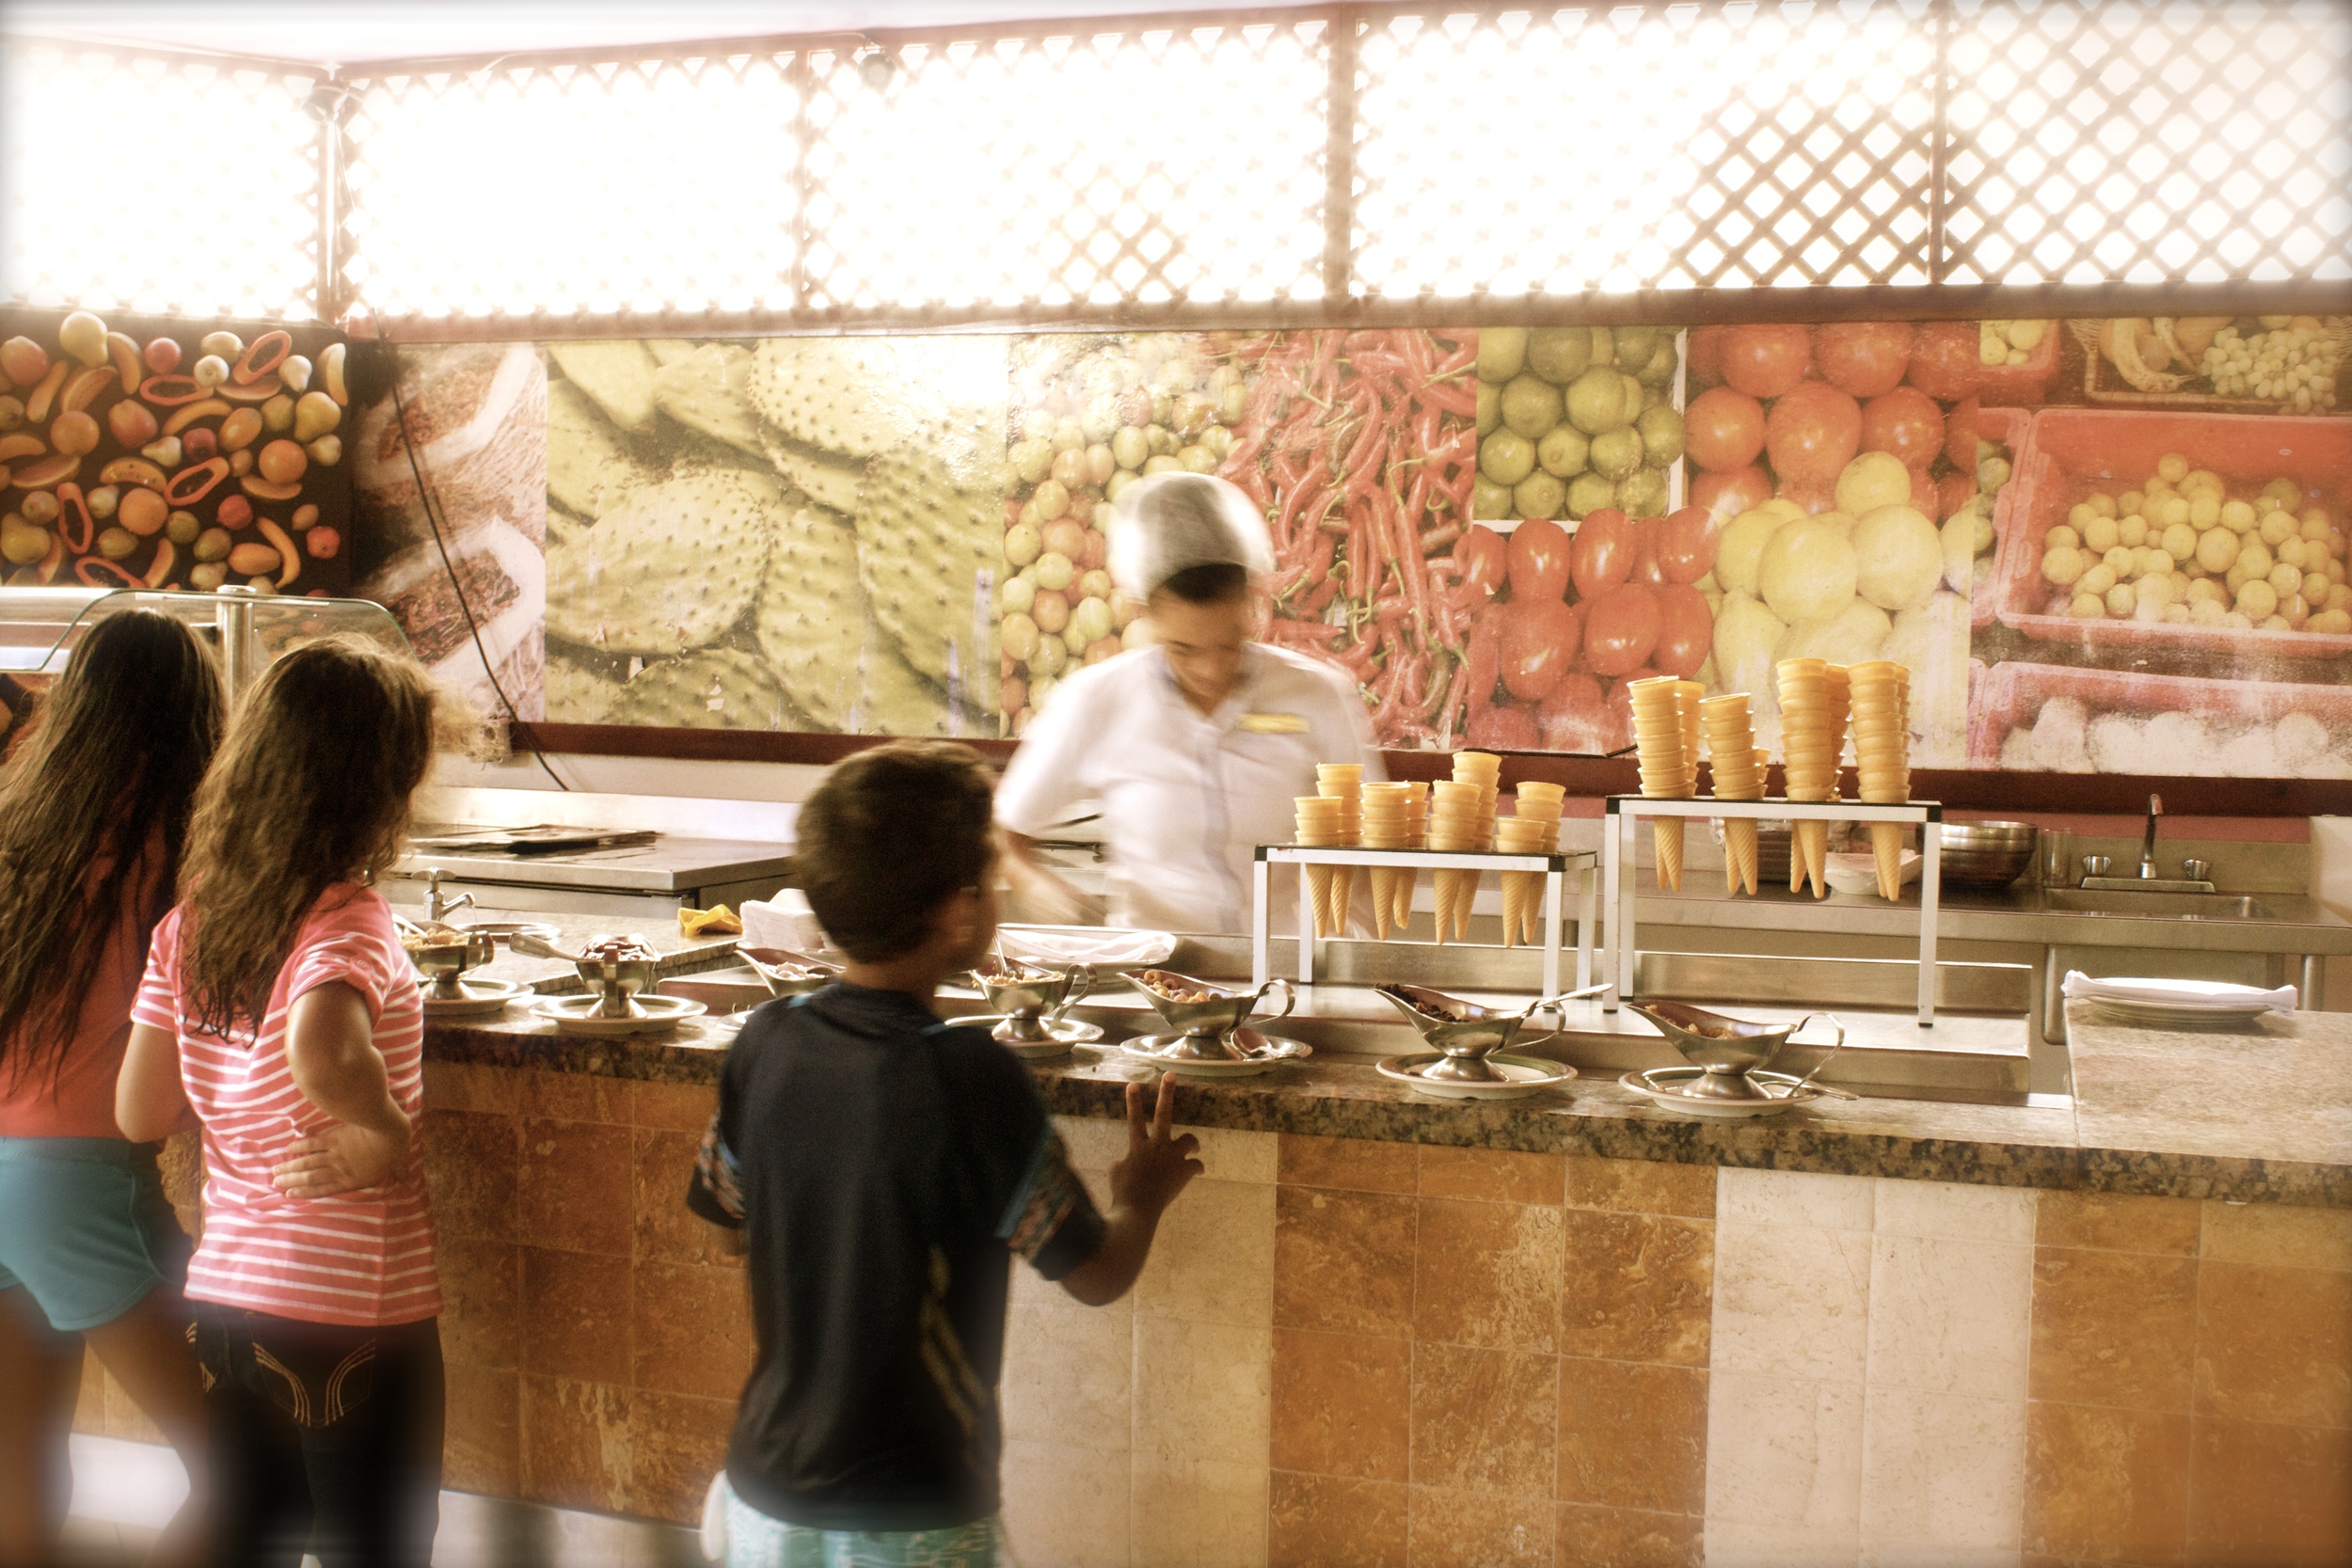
2096	546
148	453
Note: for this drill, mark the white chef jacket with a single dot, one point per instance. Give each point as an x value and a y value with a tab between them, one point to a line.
1185	799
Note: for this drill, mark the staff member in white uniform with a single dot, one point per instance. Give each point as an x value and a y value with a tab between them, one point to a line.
1193	748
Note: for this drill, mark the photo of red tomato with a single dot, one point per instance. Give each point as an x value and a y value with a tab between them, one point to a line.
1686	630
1959	434
1540	640
1620	629
1723	429
1485	562
1574	717
1953	491
1602	554
1727	495
1503	729
1812	432
1685	547
1907	424
1538	560
1947	362
1766	360
1704	356
1864	358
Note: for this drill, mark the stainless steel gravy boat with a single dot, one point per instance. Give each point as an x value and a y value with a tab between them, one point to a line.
617	981
444	957
1464	1034
1210	1023
1032	996
788	973
1727	1049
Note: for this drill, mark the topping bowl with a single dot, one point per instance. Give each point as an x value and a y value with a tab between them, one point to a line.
1464	1034
1207	1016
1727	1050
1031	996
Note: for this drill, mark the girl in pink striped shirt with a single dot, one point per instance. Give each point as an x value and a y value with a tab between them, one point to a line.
280	1013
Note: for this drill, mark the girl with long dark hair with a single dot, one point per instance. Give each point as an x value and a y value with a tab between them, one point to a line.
94	810
281	1010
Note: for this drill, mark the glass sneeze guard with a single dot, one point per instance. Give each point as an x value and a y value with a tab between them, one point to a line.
39	627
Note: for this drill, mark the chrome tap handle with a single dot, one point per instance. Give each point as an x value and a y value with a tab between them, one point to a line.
2148	843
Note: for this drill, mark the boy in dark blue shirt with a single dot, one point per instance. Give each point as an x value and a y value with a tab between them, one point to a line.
884	1168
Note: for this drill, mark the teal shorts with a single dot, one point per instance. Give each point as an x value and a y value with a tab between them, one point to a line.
85	1226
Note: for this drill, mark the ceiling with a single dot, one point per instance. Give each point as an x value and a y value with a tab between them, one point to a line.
349	30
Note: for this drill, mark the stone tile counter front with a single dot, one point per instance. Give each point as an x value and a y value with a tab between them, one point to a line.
1908	1333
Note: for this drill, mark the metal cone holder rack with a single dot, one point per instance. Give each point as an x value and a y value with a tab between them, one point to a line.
1619	875
1555	868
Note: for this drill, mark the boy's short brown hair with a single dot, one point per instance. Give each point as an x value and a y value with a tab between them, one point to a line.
890	835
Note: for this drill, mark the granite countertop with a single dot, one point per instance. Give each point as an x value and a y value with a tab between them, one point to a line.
2260	1111
680	954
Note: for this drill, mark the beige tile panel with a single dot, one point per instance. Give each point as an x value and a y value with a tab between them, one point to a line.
1094	1144
1941	1471
1954	1212
2268	1497
1791	1303
2280	1234
1316	1521
1203	1391
2274	1345
1733	1545
1067	1378
1590	1536
2113	1328
2115	1222
1479	1529
1632	1435
1343	1407
1196	1514
1785	1452
1066	1506
1491	1175
1950	1316
1638	1286
1487	1274
1794	1197
2107	1486
1212	1259
1484	1420
1642	1186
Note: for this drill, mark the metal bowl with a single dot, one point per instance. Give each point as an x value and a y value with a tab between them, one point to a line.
615	981
1727	1049
1031	996
1987	854
443	961
1464	1034
786	972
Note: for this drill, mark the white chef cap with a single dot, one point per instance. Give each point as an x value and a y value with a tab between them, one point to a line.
1168	523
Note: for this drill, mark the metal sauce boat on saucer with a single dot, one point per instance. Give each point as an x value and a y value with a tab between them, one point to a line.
1207	1018
616	971
1728	1058
1464	1035
786	972
1032	997
442	955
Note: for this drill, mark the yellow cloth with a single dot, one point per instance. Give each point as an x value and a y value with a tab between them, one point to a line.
719	922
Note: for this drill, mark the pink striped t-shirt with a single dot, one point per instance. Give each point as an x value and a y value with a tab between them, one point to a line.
361	1259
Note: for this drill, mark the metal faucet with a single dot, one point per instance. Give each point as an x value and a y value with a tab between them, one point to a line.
437	907
2148	844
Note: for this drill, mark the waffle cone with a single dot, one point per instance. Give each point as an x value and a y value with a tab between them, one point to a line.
1739	839
1514	906
1446	885
1668	835
1887	843
1401	881
1816	857
1319	894
1342	897
1383	895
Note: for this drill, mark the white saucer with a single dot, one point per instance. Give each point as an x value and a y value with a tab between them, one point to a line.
482	998
1064	1032
1657	1087
576	1015
1266	1053
1519	1075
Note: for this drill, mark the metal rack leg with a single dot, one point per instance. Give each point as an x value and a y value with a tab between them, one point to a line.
1261	960
1931	893
1587	884
1306	931
1551	933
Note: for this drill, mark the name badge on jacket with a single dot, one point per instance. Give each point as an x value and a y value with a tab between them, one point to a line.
1272	723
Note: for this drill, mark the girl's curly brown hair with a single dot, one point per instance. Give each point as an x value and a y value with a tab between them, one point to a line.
311	789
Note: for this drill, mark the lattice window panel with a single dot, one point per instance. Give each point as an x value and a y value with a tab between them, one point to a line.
645	187
1045	172
160	185
1555	152
2150	143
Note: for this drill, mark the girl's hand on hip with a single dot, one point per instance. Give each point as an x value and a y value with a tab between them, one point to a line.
343	1159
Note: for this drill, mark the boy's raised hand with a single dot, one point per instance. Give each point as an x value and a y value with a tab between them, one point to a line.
1157	1166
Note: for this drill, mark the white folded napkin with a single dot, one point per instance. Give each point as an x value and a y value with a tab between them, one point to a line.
1084	944
1859	873
786	922
2185	995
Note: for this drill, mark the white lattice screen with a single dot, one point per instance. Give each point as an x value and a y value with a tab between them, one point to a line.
1180	169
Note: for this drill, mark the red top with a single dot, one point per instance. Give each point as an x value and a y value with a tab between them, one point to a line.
363	1258
80	1104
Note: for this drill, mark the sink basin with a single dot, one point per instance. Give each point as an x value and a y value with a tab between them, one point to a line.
2160	906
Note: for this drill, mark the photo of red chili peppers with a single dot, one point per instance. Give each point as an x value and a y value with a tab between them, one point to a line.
1362	448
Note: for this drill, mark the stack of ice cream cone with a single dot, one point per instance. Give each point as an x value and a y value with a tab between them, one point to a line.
1813	733
1319	829
1882	741
1455	890
1535	831
1731	751
1343	782
1389	823
1665	748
